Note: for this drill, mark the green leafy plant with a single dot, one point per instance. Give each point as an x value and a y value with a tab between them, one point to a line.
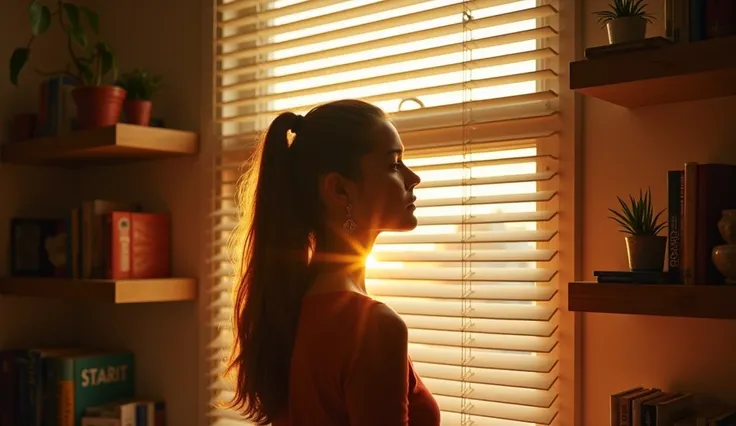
624	9
90	62
140	84
637	218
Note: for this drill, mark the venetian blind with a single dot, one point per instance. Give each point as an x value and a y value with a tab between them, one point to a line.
472	88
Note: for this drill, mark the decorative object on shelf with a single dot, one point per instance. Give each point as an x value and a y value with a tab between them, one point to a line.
724	256
97	104
626	20
140	86
644	246
727	226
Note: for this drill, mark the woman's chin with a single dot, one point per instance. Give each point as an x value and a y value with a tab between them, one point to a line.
407	224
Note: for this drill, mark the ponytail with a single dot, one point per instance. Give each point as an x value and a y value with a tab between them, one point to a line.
273	279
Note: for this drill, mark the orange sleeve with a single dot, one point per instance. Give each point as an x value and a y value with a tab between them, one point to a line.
377	384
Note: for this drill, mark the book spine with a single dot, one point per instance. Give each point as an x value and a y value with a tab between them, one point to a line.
50	397
121	253
36	387
697	20
689	223
648	415
141	414
65	386
22	362
623	411
675	185
160	417
614	410
8	388
87	248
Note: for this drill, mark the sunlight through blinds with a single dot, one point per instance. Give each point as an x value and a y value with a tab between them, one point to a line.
472	87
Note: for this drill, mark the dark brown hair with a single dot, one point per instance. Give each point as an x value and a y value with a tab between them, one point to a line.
281	220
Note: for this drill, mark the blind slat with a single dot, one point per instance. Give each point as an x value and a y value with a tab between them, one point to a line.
229	218
476	237
530	255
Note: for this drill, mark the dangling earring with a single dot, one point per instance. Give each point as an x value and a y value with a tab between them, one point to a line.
349	224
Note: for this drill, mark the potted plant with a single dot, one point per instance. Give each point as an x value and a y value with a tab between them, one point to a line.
140	86
97	104
625	21
644	245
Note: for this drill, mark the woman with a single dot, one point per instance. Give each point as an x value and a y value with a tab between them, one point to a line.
311	347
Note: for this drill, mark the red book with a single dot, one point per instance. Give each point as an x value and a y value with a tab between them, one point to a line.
139	245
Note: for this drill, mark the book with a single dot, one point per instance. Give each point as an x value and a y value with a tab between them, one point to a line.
89	379
675	196
138	245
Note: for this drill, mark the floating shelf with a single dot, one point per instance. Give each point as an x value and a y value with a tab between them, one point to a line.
106	291
674	300
680	72
120	143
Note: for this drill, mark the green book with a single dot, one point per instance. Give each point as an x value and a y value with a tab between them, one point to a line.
90	379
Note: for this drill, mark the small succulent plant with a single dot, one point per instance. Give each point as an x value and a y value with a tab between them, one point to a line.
637	218
624	9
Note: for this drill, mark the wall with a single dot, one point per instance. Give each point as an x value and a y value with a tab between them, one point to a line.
168	37
623	151
29	191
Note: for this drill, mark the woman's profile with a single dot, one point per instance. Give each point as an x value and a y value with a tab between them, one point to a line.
311	347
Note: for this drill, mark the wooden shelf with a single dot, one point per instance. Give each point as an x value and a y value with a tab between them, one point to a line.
675	300
106	291
680	72
116	144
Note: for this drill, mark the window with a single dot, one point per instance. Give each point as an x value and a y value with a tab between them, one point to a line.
472	87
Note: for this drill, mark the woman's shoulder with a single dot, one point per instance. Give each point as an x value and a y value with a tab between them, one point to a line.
371	313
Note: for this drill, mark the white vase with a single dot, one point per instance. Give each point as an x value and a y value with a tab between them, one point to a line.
627	29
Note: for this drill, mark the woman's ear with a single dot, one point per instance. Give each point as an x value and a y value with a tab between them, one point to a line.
336	189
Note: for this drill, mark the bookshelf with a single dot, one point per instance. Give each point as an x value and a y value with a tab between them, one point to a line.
103	291
121	143
674	300
680	72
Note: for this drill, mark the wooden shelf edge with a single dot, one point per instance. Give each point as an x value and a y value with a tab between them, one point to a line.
119	142
105	291
674	300
680	72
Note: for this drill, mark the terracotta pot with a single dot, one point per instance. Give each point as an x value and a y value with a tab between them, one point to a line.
646	252
623	30
98	106
137	112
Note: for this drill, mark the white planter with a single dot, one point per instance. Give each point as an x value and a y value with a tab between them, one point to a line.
622	30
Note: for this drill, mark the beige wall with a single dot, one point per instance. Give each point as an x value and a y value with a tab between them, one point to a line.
166	36
624	150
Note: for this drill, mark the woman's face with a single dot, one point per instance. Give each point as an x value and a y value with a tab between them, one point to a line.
384	199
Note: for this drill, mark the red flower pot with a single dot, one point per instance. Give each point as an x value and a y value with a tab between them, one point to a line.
98	106
137	112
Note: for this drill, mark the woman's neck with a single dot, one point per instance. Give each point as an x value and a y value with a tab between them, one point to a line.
339	261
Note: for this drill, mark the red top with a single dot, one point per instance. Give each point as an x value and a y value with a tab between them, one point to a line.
350	367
